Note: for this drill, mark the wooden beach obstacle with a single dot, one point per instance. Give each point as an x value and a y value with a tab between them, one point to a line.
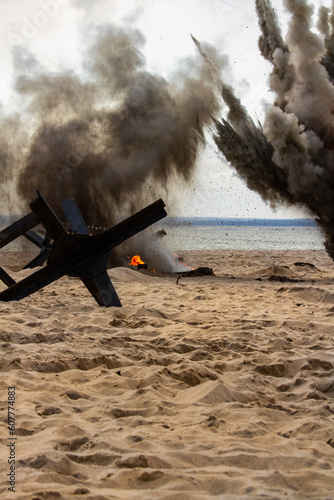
75	253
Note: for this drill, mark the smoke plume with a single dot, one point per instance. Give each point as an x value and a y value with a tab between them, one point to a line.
291	158
113	137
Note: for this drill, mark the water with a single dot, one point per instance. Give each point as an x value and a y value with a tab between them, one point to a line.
198	237
228	234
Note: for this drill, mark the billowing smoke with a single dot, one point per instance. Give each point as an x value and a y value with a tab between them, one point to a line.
291	158
113	137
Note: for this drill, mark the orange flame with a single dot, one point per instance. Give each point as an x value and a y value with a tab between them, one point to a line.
136	260
181	261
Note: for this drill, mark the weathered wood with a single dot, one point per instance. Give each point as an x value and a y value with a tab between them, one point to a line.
132	225
34	238
92	267
80	250
47	217
39	259
102	290
46	248
8	280
74	217
17	229
94	276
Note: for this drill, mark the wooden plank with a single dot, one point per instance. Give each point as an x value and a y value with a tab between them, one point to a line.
84	250
18	228
92	267
47	217
131	226
8	280
39	259
46	249
34	282
74	217
34	238
102	290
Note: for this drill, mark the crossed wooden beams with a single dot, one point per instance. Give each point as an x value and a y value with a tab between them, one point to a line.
76	253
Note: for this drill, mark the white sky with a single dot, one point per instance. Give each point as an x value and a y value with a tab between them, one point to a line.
57	32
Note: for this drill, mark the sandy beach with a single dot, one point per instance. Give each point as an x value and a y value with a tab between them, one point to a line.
215	386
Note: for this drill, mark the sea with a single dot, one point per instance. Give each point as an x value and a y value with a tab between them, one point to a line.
210	233
242	234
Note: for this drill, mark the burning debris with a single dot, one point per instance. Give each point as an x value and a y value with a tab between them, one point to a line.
137	262
177	264
291	159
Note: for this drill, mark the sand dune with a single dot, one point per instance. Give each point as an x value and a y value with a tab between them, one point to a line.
207	386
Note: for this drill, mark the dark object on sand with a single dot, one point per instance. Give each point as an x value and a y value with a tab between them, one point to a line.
305	264
283	279
200	271
78	253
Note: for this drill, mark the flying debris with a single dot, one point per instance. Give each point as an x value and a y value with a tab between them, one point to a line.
291	158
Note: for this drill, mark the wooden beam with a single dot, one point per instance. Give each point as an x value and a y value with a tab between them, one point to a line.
47	217
18	228
46	249
94	276
8	280
132	225
34	238
39	259
102	290
74	217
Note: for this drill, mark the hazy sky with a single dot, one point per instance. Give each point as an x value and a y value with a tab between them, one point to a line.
57	32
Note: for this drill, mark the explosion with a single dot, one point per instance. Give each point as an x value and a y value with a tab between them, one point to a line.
291	158
112	136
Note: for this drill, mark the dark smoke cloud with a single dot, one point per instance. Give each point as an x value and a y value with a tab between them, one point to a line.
291	159
112	136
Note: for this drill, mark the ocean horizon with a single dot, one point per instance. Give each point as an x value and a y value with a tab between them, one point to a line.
237	221
6	219
242	234
213	233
